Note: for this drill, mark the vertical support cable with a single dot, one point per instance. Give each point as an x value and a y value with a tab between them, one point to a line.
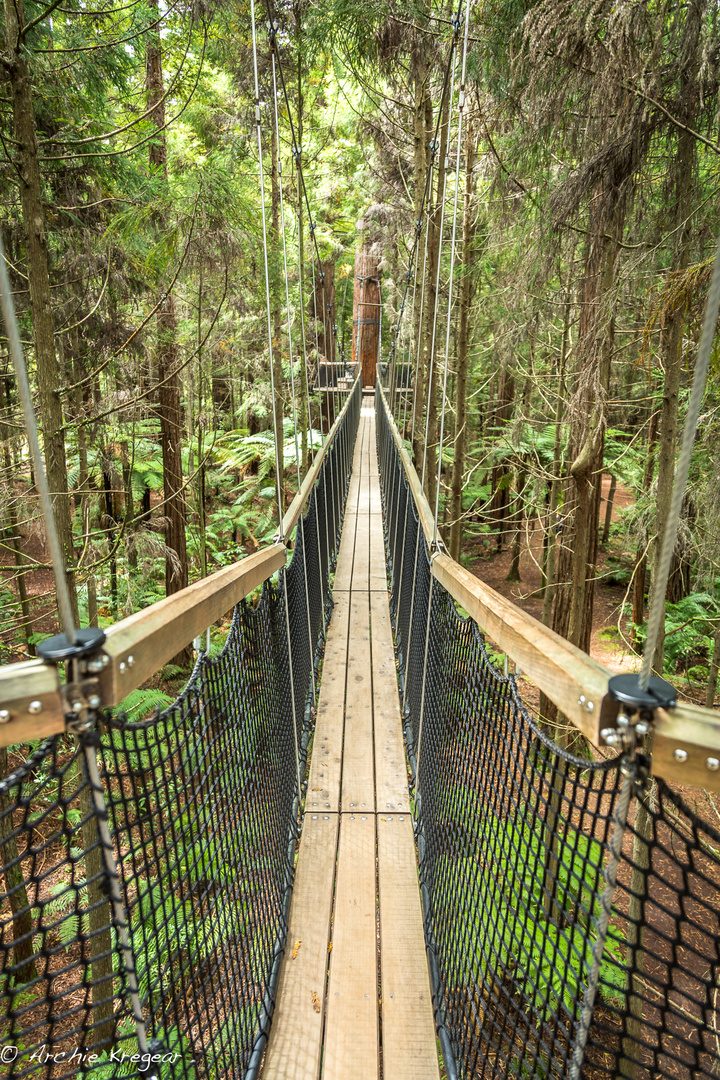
301	523
281	538
56	553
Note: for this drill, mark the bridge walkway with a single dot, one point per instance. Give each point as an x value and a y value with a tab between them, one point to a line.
354	997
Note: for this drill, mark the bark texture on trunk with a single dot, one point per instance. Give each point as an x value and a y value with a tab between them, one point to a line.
366	314
467	286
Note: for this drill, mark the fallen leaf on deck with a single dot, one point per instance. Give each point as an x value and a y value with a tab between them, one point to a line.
315	1001
296	947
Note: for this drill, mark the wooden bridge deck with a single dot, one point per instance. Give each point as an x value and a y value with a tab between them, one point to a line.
354	995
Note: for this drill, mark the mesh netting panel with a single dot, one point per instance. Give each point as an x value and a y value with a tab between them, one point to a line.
513	835
201	806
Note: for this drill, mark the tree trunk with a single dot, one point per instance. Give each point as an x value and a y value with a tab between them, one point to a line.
466	289
14	531
609	509
48	373
168	401
713	673
640	571
22	923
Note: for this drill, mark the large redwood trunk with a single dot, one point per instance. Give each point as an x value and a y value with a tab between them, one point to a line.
366	314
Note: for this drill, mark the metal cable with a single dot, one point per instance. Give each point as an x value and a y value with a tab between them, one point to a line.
53	539
292	373
662	573
277	429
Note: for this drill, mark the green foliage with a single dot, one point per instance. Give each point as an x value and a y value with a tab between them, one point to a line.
689	629
502	911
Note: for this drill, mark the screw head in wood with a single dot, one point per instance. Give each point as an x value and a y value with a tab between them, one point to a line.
35	707
680	755
131	661
5	716
713	764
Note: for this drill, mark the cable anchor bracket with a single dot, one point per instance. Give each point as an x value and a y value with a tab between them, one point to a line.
634	709
84	661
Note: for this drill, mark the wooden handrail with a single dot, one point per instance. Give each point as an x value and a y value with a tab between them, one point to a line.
136	648
293	512
576	683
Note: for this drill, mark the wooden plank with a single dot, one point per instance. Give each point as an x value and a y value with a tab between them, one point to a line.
346	554
408	1027
295	1045
565	673
364	494
391	788
358	791
559	668
144	638
351	1034
378	571
323	791
361	563
20	684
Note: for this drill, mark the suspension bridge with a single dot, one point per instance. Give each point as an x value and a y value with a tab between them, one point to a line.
349	848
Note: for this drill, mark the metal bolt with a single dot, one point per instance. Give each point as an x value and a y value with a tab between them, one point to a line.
35	707
130	661
4	716
713	764
94	701
642	727
590	706
76	706
680	755
123	667
623	721
105	660
581	700
95	665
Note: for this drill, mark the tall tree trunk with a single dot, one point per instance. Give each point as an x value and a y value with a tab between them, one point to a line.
168	401
14	531
640	570
609	509
12	871
48	373
466	290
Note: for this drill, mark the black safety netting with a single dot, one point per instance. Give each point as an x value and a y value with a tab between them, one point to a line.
514	839
176	917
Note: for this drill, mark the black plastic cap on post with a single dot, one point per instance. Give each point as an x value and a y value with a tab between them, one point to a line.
627	690
57	649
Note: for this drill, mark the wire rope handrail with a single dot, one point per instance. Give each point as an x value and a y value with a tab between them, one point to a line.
565	937
33	703
687	738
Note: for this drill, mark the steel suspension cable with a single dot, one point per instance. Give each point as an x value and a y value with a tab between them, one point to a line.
461	104
281	537
57	557
307	397
662	574
292	373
